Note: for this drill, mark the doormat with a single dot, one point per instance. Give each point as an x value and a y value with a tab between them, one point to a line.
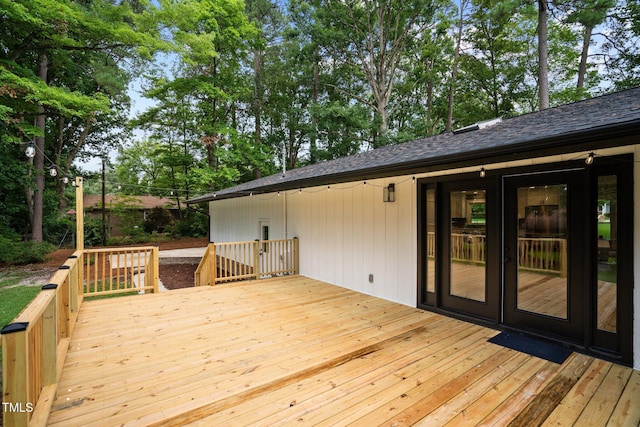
542	349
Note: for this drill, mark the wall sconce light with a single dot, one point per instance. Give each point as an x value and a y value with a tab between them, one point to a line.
483	172
389	193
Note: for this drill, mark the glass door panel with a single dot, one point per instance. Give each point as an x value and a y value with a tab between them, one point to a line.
607	288
468	244
469	283
544	253
542	286
431	239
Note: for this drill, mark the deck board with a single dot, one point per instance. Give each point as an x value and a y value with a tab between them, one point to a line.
298	351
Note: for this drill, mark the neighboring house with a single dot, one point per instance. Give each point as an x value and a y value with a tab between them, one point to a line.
116	204
526	223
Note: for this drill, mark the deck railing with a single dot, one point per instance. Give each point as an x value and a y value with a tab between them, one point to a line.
547	255
232	261
121	270
35	344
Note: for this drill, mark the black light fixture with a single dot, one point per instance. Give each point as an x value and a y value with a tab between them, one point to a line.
65	180
53	170
389	193
483	172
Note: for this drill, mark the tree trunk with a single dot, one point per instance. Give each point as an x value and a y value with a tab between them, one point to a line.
257	104
543	73
313	141
38	162
582	70
454	69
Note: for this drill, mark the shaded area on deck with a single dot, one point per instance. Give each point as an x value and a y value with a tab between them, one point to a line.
296	350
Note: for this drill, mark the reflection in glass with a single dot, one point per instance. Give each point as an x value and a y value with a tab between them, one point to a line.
468	244
431	239
607	253
542	250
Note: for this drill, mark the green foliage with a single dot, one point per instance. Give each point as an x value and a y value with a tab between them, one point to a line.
92	231
194	225
157	220
14	252
244	81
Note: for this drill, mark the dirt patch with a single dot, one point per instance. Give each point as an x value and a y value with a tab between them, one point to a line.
177	276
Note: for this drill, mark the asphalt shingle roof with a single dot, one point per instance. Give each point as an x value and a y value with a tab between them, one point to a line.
583	124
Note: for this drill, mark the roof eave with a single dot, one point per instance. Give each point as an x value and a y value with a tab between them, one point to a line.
618	134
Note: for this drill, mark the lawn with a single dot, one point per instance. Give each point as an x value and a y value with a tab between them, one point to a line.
604	230
13	299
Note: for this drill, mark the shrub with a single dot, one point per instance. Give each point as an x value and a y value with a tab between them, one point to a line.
14	252
192	226
157	220
92	232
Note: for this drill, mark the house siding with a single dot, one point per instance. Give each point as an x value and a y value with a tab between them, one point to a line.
347	232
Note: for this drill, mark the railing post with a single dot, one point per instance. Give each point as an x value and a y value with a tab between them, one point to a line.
155	263
256	258
563	258
15	371
296	258
213	264
50	340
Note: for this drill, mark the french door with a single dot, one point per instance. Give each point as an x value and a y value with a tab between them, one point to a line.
544	253
468	248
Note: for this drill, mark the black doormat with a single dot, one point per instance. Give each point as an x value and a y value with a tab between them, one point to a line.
542	349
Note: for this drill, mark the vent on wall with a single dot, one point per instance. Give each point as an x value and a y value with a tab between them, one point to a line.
478	126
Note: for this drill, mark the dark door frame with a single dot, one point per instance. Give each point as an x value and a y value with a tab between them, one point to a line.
570	328
614	346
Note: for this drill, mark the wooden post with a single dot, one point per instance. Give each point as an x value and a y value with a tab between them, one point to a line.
563	258
79	215
256	258
15	371
296	257
155	268
50	342
213	264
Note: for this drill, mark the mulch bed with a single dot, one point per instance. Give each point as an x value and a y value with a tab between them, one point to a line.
177	276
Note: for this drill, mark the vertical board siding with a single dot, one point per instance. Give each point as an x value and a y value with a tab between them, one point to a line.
346	233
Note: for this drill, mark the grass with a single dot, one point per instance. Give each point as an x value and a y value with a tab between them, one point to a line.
13	299
604	230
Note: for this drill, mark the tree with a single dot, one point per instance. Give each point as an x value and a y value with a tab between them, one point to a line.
378	34
589	14
454	66
39	34
543	48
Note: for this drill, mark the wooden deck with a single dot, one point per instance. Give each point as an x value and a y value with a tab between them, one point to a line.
297	351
